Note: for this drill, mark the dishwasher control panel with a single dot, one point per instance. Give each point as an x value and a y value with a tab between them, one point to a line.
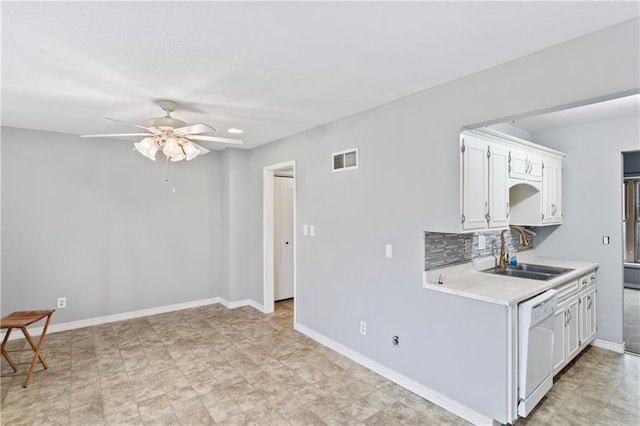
543	310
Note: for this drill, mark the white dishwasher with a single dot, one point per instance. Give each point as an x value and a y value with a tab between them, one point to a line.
535	349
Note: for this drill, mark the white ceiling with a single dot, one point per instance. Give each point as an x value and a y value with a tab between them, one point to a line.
272	69
614	108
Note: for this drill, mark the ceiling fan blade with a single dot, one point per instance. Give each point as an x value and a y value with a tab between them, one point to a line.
112	135
128	124
202	149
215	139
195	129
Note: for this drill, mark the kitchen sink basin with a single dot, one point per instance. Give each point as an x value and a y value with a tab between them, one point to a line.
530	271
544	269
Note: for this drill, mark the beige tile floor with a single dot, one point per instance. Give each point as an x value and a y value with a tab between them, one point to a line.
212	365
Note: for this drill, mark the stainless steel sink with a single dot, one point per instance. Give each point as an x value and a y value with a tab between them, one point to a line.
544	269
530	271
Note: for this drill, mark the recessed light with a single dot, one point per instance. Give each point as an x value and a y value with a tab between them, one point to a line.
234	130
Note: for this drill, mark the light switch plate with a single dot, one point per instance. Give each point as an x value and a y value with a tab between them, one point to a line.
312	230
482	242
388	251
305	229
606	239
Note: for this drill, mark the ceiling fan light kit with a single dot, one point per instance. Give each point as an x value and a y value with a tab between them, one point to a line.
171	136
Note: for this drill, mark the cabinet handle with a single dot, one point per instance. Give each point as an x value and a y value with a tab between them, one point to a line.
567	318
590	302
584	282
554	209
508	209
593	277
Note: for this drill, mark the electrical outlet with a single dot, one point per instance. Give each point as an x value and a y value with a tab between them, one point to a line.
467	247
606	240
363	328
62	302
395	340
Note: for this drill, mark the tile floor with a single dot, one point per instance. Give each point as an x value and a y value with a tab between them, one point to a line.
215	365
631	332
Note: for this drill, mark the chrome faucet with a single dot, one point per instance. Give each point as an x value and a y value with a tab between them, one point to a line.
502	259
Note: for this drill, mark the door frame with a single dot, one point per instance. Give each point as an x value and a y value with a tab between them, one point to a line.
268	258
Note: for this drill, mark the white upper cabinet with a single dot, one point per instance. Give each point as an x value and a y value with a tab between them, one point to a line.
498	187
524	166
475	186
552	191
506	180
485	188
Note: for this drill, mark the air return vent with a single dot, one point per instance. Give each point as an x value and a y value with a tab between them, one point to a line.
345	160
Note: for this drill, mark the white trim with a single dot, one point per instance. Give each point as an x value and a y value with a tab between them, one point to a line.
407	383
611	346
72	325
502	137
267	235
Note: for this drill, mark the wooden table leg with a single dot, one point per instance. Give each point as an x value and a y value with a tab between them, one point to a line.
5	354
36	350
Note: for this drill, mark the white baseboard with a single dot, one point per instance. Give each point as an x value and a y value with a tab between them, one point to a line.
72	325
407	383
240	303
604	344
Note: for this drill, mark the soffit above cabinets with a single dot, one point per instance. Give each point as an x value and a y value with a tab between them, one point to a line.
614	108
272	69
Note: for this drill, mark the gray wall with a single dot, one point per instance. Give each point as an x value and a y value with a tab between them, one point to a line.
94	222
407	183
77	224
632	276
632	164
592	206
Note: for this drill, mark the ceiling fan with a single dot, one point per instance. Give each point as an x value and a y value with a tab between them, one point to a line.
170	135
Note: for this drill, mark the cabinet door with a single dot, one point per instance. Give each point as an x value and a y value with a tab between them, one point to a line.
475	176
552	192
572	329
591	315
583	318
518	165
559	336
535	168
556	202
498	187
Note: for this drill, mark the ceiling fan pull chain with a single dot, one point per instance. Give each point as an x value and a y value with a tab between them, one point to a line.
166	174
174	176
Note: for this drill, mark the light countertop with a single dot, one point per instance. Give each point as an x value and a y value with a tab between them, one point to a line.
467	280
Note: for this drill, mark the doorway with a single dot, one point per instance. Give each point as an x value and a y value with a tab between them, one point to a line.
631	232
279	236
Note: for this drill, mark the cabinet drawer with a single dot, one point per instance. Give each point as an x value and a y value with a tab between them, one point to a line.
567	290
587	280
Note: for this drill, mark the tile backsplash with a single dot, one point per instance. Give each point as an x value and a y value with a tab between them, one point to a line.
448	249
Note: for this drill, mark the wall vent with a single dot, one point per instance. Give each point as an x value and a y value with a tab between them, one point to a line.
345	160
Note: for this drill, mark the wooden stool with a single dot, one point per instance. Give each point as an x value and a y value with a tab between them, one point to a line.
21	320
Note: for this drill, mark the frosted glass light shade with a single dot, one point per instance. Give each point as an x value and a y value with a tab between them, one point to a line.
147	147
172	149
191	150
178	157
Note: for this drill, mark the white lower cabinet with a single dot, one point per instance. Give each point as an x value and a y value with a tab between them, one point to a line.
575	320
573	328
559	338
587	309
